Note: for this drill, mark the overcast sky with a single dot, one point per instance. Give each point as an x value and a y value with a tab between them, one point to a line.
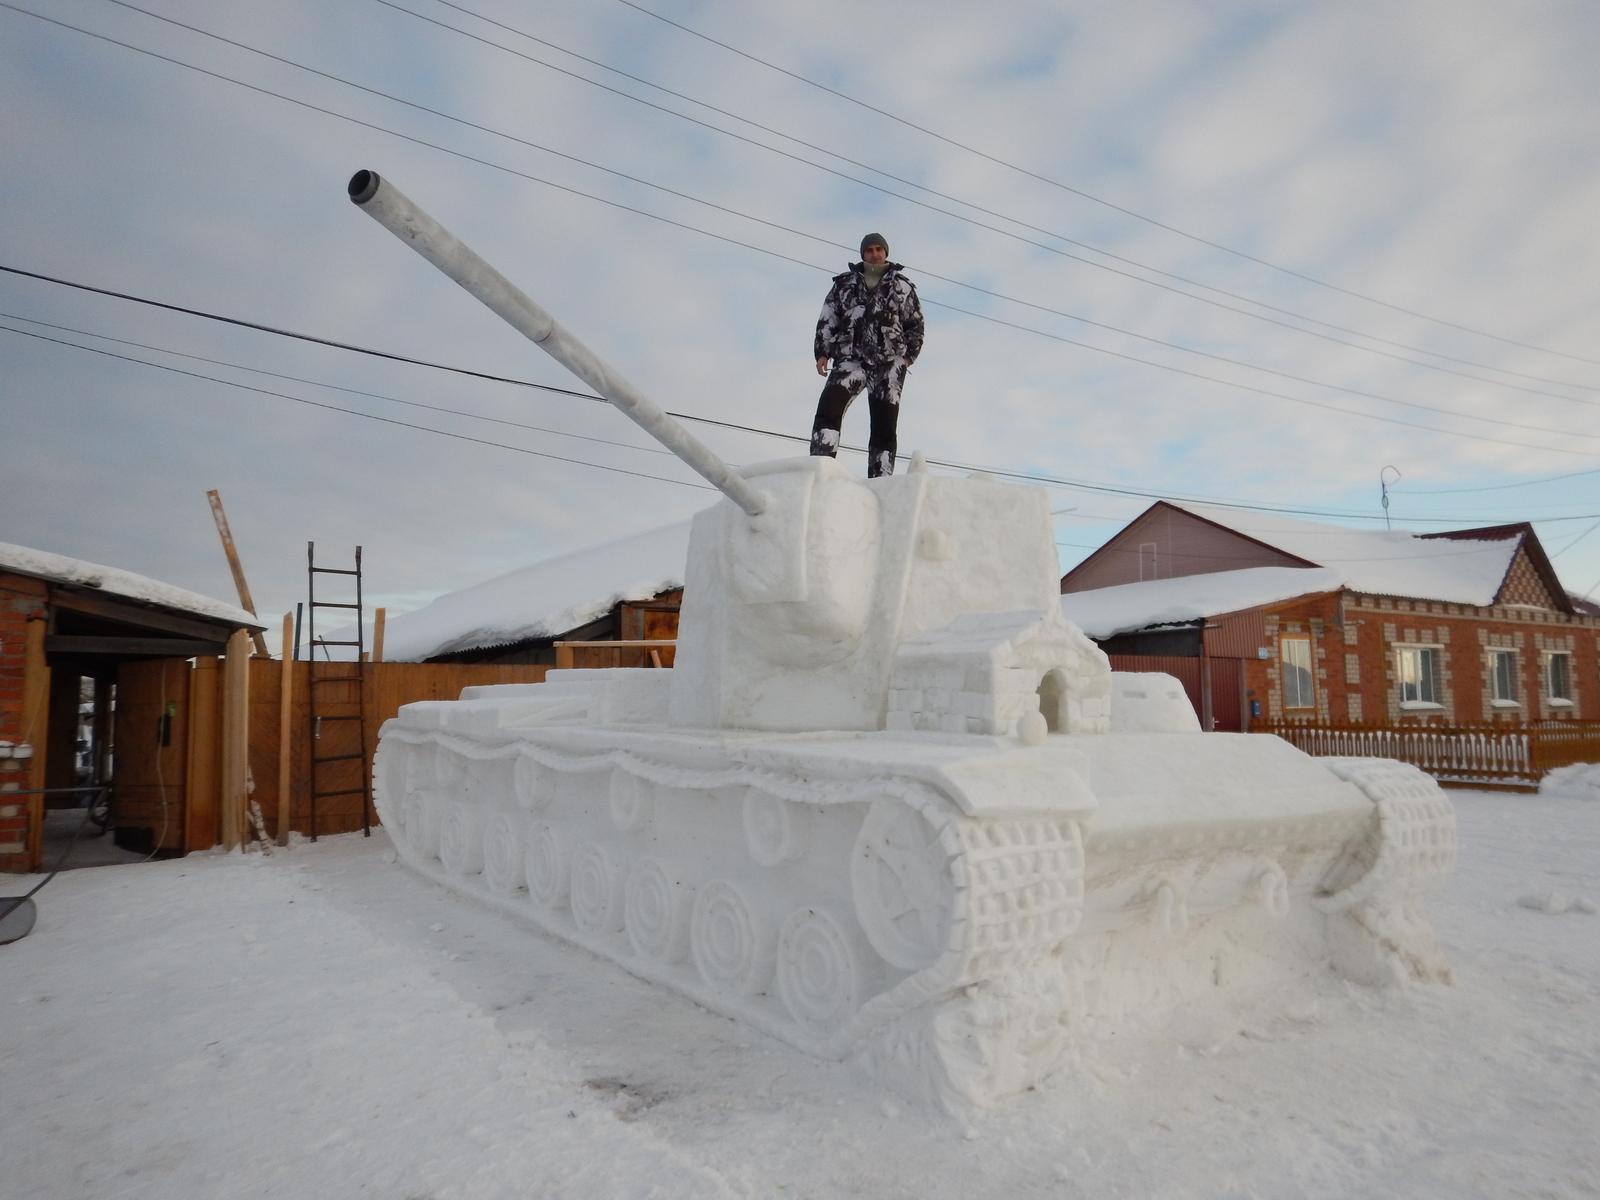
1417	183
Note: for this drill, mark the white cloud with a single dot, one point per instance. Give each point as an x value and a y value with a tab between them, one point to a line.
1441	157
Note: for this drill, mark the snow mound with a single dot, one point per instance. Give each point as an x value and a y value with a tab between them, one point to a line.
1581	781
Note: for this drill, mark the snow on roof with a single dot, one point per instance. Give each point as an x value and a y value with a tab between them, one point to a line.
1104	612
1381	562
545	599
57	568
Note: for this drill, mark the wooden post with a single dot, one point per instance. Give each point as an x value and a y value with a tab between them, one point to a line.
379	616
285	734
236	567
201	809
563	657
235	738
36	731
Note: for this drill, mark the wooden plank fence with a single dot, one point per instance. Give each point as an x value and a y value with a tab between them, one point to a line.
1515	756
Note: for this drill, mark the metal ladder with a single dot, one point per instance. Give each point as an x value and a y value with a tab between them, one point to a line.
338	720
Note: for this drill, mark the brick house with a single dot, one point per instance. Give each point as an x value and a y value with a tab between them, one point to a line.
1270	619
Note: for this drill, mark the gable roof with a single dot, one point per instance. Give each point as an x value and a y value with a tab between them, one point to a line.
544	600
113	581
1467	566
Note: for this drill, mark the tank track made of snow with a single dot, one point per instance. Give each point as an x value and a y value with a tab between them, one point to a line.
950	909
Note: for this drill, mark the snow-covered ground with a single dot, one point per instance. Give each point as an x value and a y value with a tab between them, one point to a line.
325	1024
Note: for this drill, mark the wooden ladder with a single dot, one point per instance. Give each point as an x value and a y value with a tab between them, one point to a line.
337	711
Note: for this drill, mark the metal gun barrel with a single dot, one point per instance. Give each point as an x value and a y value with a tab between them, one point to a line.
385	203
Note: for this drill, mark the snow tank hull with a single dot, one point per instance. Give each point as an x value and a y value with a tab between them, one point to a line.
950	910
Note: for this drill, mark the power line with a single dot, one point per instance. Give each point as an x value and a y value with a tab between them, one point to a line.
1037	478
1106	203
455	412
837	245
787	258
350	411
978	208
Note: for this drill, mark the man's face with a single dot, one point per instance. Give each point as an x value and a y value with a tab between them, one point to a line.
874	255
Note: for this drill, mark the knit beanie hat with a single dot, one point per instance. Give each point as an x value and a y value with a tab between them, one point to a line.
874	239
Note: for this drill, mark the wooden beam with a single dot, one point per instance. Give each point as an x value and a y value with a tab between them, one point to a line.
61	643
379	619
637	644
235	793
201	830
131	613
237	568
285	734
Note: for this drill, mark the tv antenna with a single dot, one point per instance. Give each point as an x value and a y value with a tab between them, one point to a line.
1383	487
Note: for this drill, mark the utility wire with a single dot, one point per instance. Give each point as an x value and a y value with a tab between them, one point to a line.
461	437
1193	237
1030	477
455	412
1331	531
976	208
787	258
842	246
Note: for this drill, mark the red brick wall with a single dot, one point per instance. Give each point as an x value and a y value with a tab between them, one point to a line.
1354	639
20	599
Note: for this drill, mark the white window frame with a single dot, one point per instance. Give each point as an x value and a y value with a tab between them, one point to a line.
1412	672
1493	668
1288	669
1554	700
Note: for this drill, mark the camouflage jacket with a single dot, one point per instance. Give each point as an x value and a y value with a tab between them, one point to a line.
870	327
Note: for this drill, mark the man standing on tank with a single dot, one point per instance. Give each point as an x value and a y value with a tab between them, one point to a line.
871	329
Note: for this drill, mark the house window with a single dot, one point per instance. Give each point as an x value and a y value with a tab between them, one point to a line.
1503	677
1297	678
1418	671
1558	678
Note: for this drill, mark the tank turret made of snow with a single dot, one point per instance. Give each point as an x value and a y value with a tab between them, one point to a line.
889	804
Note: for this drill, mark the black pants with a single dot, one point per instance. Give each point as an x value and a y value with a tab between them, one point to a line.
845	382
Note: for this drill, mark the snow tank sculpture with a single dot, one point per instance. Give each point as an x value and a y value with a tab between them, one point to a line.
889	804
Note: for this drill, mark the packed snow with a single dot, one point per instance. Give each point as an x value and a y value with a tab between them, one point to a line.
321	1023
542	600
1581	781
1108	611
57	568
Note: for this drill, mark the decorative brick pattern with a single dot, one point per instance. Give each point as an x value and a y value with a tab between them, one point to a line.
1366	690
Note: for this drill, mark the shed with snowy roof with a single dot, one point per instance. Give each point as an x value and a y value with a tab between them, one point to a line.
1269	619
71	632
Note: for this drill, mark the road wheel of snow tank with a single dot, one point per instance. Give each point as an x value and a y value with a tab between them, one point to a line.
545	866
461	840
772	829
503	853
421	824
904	889
729	940
597	891
819	970
657	905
